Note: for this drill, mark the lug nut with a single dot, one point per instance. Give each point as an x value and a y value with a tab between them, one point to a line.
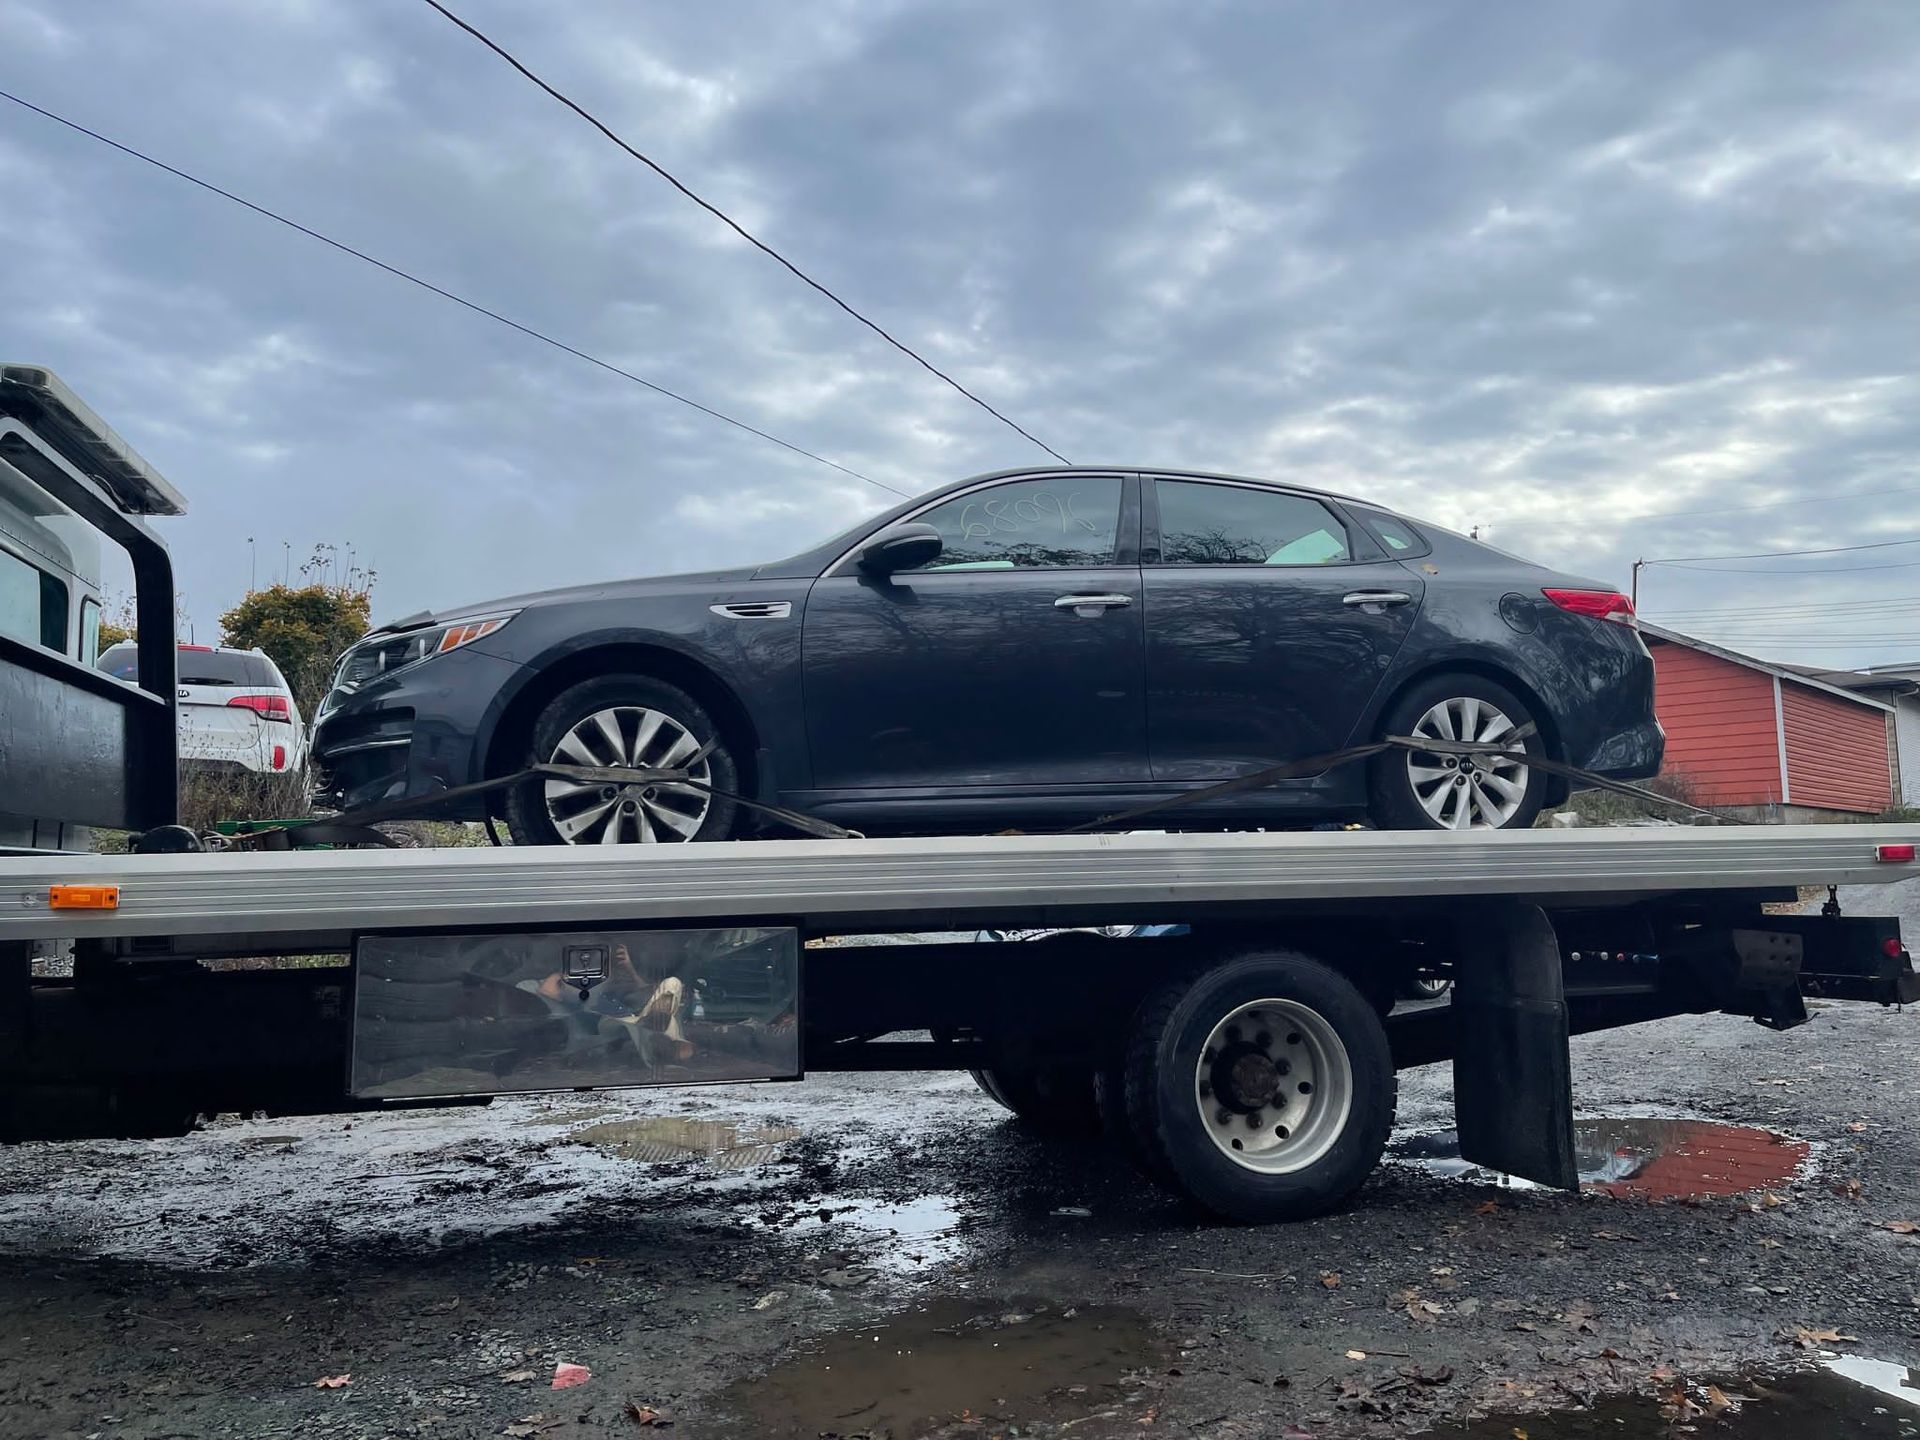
1255	1120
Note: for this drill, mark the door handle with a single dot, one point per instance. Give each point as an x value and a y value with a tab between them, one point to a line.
1091	604
1377	597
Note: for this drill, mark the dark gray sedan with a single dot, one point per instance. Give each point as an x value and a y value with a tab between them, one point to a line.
1033	648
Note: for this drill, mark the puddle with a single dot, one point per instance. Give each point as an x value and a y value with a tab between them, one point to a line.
956	1364
725	1144
1643	1158
1853	1399
919	1233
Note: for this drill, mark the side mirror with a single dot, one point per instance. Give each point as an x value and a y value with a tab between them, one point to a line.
900	548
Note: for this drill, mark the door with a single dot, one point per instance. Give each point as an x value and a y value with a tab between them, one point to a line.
1013	658
1270	626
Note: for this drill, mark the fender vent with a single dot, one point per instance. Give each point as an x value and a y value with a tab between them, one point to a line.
755	610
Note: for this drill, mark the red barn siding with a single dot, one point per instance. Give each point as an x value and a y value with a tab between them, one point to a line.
1836	751
1719	722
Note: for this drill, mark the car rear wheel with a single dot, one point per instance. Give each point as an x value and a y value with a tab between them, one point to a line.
624	722
1421	790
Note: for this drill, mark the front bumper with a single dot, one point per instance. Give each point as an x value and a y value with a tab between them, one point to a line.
412	734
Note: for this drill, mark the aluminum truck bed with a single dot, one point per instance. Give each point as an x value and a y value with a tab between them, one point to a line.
900	884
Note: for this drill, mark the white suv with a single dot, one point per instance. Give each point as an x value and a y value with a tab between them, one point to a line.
236	708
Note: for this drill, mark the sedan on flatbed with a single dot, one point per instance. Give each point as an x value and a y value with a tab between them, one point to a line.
1033	648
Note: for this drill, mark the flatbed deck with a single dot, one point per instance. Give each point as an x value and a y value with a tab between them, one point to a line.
843	885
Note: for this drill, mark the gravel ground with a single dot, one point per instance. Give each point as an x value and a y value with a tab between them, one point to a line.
865	1253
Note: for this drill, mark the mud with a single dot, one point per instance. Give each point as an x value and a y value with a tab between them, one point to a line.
702	1251
1827	1404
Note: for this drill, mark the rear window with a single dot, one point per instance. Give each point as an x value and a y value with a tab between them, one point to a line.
198	667
221	667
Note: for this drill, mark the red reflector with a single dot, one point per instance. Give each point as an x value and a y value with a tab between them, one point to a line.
1600	604
204	649
279	757
1892	948
1893	854
267	707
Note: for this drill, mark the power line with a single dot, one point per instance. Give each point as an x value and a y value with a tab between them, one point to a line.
1725	509
1782	574
460	300
1781	554
740	229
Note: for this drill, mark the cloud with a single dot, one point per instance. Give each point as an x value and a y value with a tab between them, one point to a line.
1541	271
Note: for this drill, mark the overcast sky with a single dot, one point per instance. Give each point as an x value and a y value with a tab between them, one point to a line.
1541	268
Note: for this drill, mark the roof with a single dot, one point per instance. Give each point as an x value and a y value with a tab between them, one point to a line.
1788	673
42	401
1892	684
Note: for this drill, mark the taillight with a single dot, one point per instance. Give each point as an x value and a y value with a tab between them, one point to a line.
1893	854
267	707
1600	604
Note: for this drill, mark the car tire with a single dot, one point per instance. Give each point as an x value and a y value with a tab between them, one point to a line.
1058	1104
1410	790
1329	1064
572	729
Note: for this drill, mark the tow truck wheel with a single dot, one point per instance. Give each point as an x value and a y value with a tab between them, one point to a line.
1056	1103
1263	1088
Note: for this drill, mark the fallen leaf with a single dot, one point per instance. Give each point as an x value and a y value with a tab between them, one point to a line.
1295	1432
1439	1375
1614	1235
332	1382
1770	1200
1519	1434
1330	1279
516	1377
1492	1207
1717	1400
1770	1244
647	1416
772	1297
567	1375
1857	1126
1901	1227
1356	1354
1581	1315
1848	1190
1809	1338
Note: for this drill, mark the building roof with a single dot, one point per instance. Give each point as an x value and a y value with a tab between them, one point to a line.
1861	680
1812	679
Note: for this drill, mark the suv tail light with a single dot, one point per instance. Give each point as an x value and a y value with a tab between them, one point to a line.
1600	604
267	707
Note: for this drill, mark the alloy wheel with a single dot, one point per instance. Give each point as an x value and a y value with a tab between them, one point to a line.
587	812
1468	792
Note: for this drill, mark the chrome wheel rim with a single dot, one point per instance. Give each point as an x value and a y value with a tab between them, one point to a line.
1468	792
587	812
1274	1086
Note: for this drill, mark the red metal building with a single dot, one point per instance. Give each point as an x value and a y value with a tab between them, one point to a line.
1746	733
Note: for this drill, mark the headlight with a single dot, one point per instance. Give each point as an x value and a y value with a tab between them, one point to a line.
384	654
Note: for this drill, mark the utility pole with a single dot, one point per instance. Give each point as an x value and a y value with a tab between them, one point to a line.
1634	598
253	566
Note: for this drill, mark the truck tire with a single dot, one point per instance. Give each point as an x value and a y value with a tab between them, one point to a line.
1413	791
1262	1087
1058	1104
618	721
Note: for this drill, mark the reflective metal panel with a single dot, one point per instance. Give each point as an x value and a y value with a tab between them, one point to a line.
447	1015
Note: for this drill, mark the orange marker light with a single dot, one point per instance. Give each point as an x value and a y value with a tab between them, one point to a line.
83	897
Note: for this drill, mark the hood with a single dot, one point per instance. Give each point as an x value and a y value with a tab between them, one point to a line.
605	590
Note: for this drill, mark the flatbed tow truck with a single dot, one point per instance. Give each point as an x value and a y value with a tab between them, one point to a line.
1248	1064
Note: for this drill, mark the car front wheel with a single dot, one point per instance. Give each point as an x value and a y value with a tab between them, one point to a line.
1426	790
630	722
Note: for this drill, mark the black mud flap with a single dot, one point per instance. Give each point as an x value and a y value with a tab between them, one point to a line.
1512	1075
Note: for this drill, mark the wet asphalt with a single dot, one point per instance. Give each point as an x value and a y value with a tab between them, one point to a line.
893	1255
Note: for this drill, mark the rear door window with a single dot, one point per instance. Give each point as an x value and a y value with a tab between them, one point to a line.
33	604
1400	539
1204	524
